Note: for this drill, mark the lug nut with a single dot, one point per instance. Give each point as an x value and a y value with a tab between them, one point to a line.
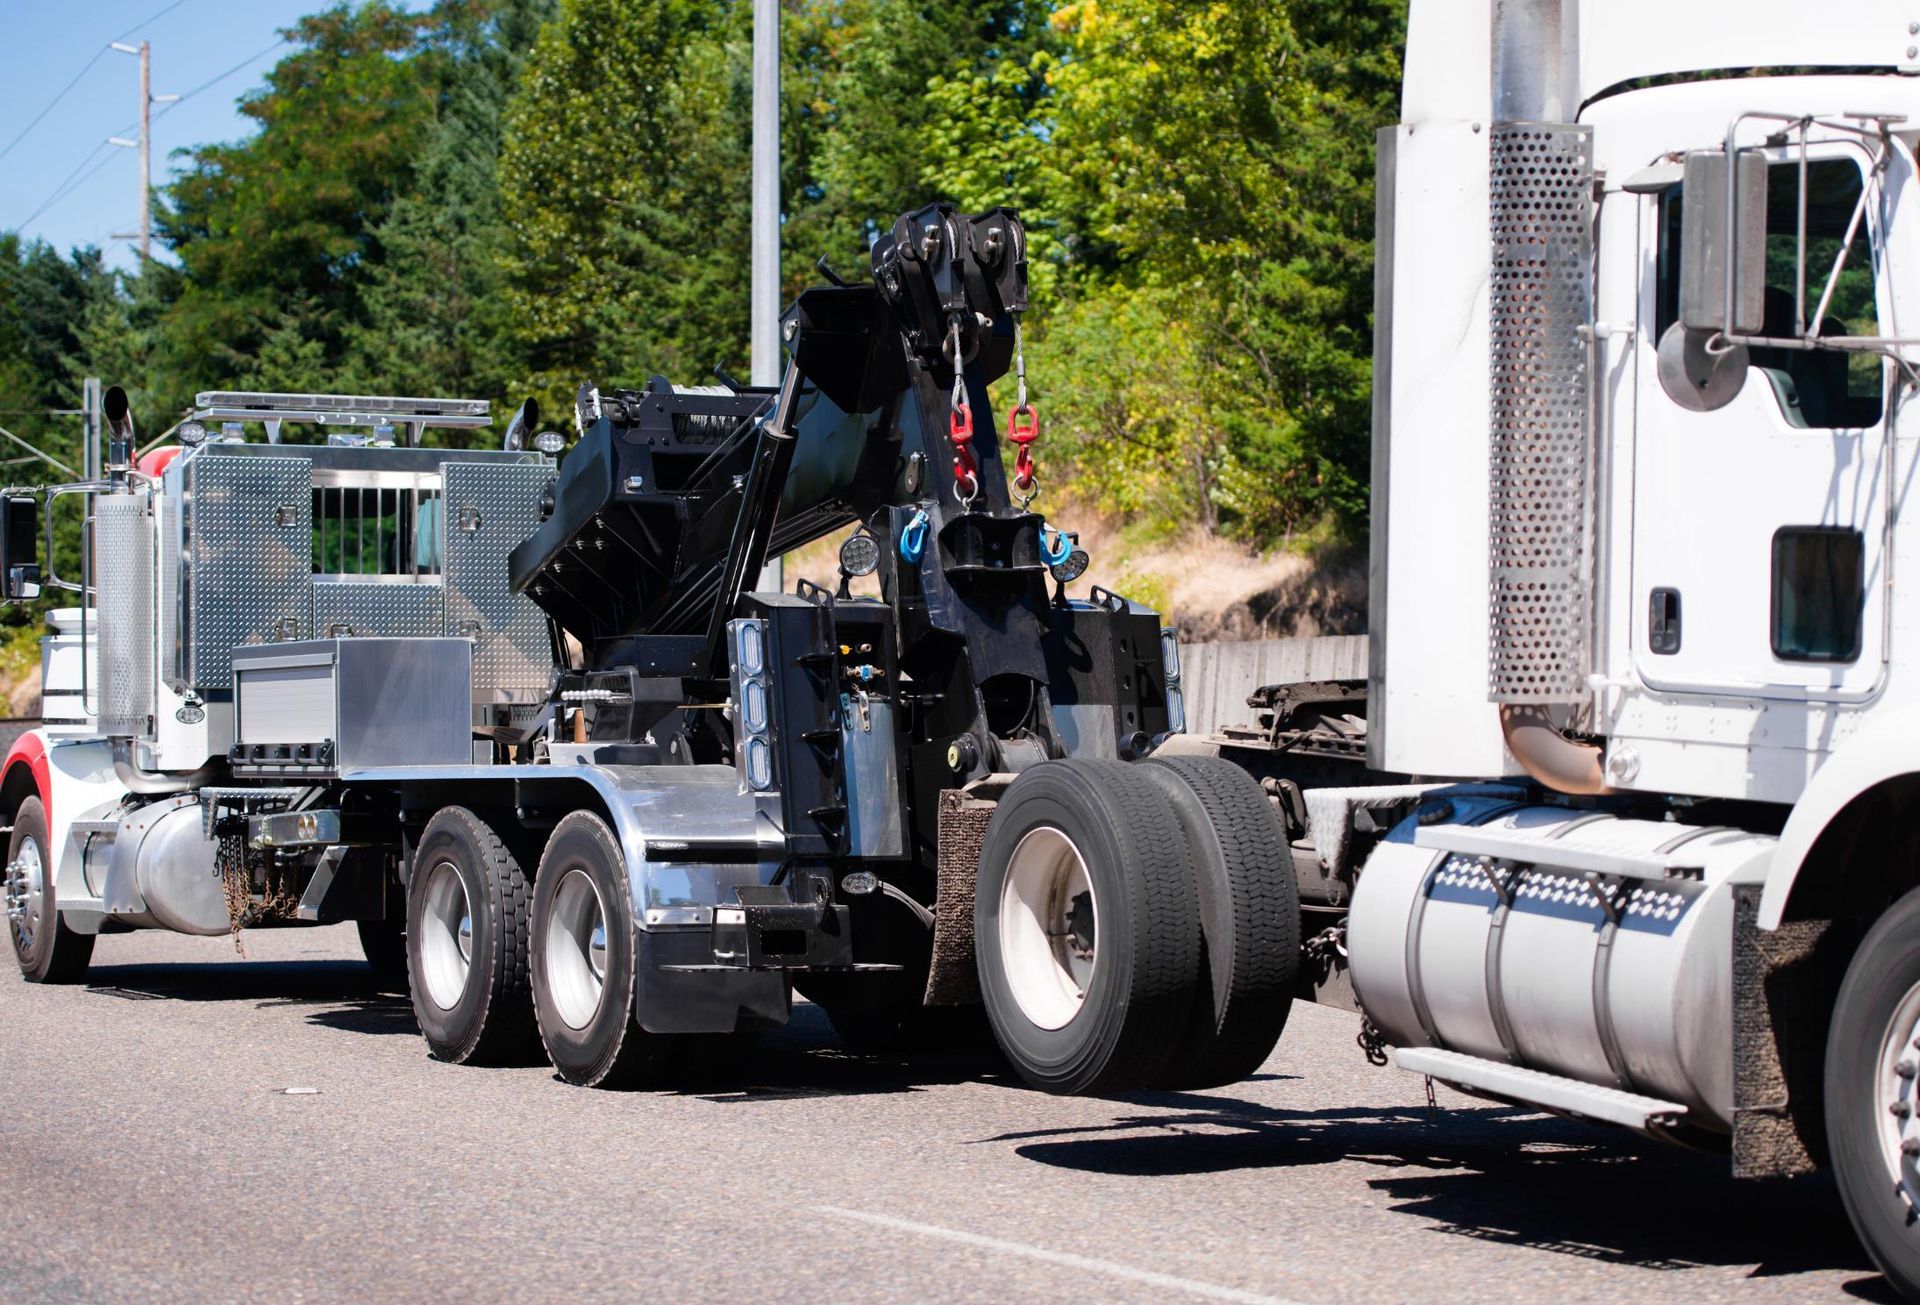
1904	1069
1900	1109
1911	1146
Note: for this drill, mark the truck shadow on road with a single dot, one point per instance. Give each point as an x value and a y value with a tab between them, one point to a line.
806	1059
334	994
803	1059
1493	1174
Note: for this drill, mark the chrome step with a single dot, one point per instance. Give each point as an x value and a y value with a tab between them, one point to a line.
1535	1087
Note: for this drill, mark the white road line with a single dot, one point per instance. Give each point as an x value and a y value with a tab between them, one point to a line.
1147	1276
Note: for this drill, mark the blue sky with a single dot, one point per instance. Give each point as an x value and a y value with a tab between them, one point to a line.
44	44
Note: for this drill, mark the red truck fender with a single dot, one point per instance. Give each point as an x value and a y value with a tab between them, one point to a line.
29	751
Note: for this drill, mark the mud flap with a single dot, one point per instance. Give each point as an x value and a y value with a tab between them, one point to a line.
1780	1001
677	989
954	979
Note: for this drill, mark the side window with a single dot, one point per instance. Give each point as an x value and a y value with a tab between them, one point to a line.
1819	593
360	533
1818	388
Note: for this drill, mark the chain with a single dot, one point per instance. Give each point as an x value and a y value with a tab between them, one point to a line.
230	858
280	888
1372	1044
966	472
1023	424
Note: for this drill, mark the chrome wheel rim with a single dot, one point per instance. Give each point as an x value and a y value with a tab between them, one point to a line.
446	935
1049	927
1894	1102
576	949
26	895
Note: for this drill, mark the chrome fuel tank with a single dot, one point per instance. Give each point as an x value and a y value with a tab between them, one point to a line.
1573	942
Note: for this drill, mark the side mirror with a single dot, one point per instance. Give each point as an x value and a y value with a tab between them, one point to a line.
1708	242
19	546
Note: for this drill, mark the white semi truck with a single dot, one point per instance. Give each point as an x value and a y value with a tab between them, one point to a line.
1643	576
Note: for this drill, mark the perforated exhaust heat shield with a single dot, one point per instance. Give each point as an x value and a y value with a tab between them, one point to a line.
1540	490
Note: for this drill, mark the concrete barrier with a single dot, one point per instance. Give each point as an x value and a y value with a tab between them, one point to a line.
1219	676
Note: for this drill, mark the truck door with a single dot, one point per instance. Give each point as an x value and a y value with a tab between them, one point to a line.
1758	528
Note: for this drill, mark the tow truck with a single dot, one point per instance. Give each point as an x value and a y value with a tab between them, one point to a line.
521	718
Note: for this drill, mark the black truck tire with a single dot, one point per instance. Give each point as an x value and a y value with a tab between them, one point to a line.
1249	921
583	962
469	909
1872	1108
1087	927
47	950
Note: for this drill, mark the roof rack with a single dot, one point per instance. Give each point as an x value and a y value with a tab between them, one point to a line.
414	415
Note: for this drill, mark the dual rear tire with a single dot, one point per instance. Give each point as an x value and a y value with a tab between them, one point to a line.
468	935
502	964
583	961
1136	925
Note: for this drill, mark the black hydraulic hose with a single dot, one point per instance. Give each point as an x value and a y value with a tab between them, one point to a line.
760	501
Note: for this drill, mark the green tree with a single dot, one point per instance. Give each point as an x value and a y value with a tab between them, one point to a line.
275	232
586	164
432	305
118	338
44	300
1224	152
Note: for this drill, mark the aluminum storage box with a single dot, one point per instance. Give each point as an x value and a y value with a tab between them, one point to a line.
323	706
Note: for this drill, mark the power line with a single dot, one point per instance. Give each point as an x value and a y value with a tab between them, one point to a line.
74	180
38	453
67	187
278	41
54	101
82	73
150	18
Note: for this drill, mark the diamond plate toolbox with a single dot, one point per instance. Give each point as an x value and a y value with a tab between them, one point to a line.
348	608
247	558
489	509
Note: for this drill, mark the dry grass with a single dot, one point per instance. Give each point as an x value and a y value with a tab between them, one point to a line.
1210	588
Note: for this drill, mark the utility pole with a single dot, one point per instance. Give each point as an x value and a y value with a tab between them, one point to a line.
146	152
90	403
145	145
764	336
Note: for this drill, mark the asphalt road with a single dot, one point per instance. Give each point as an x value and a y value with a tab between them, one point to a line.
150	1149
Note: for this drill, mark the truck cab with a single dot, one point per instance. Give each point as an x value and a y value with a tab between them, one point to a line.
1640	564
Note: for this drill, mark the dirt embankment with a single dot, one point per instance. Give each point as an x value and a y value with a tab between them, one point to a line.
1209	588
